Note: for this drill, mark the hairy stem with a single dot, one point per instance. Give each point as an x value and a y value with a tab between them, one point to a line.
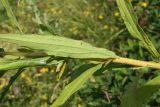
137	63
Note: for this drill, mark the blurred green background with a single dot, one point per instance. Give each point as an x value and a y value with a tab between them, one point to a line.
95	21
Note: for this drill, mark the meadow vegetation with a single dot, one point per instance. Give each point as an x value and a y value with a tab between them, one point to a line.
74	53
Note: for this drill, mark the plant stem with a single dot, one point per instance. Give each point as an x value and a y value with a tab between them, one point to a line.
11	81
137	63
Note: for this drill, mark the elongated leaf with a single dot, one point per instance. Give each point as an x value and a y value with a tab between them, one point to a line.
23	63
138	96
58	46
74	86
5	61
131	22
15	64
10	14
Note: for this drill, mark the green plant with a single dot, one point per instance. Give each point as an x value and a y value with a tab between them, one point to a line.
55	50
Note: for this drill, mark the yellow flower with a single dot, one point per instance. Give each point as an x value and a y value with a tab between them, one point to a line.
44	104
79	105
41	71
26	78
23	75
37	75
59	11
105	27
52	70
44	70
54	11
130	1
116	14
86	13
29	81
20	3
11	97
74	30
144	4
101	17
44	97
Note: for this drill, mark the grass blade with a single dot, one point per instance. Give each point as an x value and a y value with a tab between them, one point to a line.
10	14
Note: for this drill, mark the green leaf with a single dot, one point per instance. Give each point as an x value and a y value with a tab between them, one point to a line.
7	64
138	96
15	64
5	61
131	22
74	86
58	46
10	14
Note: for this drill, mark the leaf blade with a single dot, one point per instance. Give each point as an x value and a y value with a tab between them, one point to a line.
58	46
15	64
74	86
131	22
10	14
138	96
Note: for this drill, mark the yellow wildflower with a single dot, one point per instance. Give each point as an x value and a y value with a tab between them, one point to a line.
79	105
20	4
44	70
11	97
105	27
116	14
44	97
23	75
101	17
59	11
54	11
52	70
86	13
26	78
44	104
130	1
28	81
41	71
74	30
144	4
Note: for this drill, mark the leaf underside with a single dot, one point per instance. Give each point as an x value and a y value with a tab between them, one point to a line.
58	46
